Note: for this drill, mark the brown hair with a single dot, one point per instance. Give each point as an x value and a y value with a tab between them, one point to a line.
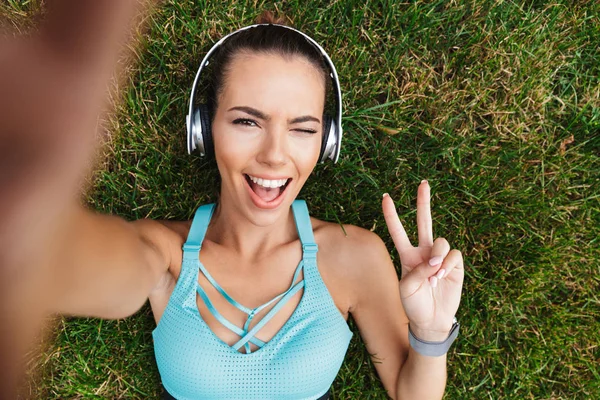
271	39
267	17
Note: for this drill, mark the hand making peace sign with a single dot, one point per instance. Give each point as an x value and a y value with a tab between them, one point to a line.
432	274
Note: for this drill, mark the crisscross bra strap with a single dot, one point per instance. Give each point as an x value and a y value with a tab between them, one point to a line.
287	295
243	333
191	251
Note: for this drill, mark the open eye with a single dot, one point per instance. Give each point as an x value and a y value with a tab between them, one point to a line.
245	122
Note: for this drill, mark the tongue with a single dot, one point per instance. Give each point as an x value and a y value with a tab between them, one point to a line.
266	194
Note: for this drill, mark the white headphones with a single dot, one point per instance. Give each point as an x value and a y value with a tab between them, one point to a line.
198	120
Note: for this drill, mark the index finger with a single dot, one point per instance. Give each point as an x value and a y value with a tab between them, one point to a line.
394	225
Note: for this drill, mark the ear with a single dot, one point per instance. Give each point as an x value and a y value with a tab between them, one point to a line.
206	126
327	125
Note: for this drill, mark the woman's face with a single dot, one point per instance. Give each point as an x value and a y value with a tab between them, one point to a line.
267	132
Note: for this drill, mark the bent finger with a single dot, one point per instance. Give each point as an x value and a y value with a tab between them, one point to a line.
439	251
453	264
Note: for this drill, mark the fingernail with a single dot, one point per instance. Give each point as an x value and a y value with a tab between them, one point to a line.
385	194
433	281
440	274
424	181
435	261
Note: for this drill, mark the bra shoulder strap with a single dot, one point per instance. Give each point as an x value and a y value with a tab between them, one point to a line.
305	231
193	244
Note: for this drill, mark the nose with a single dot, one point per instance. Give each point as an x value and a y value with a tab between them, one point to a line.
274	151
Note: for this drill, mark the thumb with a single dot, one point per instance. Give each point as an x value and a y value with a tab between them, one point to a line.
421	275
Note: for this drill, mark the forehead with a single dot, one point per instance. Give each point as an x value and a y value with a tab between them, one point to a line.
273	82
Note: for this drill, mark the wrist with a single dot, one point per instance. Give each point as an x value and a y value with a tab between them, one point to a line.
431	334
429	347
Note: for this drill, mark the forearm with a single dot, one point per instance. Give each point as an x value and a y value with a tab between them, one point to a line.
91	265
422	377
47	262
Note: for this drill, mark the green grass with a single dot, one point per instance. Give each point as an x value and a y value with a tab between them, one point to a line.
497	104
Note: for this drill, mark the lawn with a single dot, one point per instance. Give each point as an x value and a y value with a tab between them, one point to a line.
496	103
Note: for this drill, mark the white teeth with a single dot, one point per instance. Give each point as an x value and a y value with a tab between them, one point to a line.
275	183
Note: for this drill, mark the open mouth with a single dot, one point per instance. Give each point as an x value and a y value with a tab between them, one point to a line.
265	189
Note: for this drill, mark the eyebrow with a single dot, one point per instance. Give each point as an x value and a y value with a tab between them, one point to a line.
252	111
259	114
304	118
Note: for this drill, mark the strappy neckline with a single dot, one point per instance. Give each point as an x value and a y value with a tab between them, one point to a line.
267	344
192	249
246	334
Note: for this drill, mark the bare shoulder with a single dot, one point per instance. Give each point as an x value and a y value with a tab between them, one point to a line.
166	236
180	228
349	243
153	227
349	254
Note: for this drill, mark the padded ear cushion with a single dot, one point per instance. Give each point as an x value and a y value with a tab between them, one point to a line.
205	123
327	122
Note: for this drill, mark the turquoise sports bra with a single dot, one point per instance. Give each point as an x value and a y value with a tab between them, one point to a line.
299	362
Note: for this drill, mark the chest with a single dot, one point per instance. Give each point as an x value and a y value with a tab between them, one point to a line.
301	360
250	287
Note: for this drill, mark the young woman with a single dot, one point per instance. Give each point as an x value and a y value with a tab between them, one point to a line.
256	305
251	298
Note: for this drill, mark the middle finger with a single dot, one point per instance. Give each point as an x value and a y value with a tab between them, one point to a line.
424	223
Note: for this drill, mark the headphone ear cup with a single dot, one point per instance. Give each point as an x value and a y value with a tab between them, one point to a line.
205	124
327	132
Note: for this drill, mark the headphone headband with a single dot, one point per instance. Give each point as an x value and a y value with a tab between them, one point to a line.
335	153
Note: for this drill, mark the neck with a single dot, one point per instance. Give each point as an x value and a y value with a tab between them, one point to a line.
230	228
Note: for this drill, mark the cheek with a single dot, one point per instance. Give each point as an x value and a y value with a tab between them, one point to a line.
307	153
228	152
230	139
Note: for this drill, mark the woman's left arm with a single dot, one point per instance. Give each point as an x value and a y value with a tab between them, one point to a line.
427	298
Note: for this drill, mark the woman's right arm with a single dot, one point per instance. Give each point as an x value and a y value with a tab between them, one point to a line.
54	255
103	266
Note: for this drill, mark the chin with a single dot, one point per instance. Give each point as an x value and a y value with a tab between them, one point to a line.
266	219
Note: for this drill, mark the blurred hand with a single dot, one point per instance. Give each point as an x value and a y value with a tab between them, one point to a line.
432	274
53	87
